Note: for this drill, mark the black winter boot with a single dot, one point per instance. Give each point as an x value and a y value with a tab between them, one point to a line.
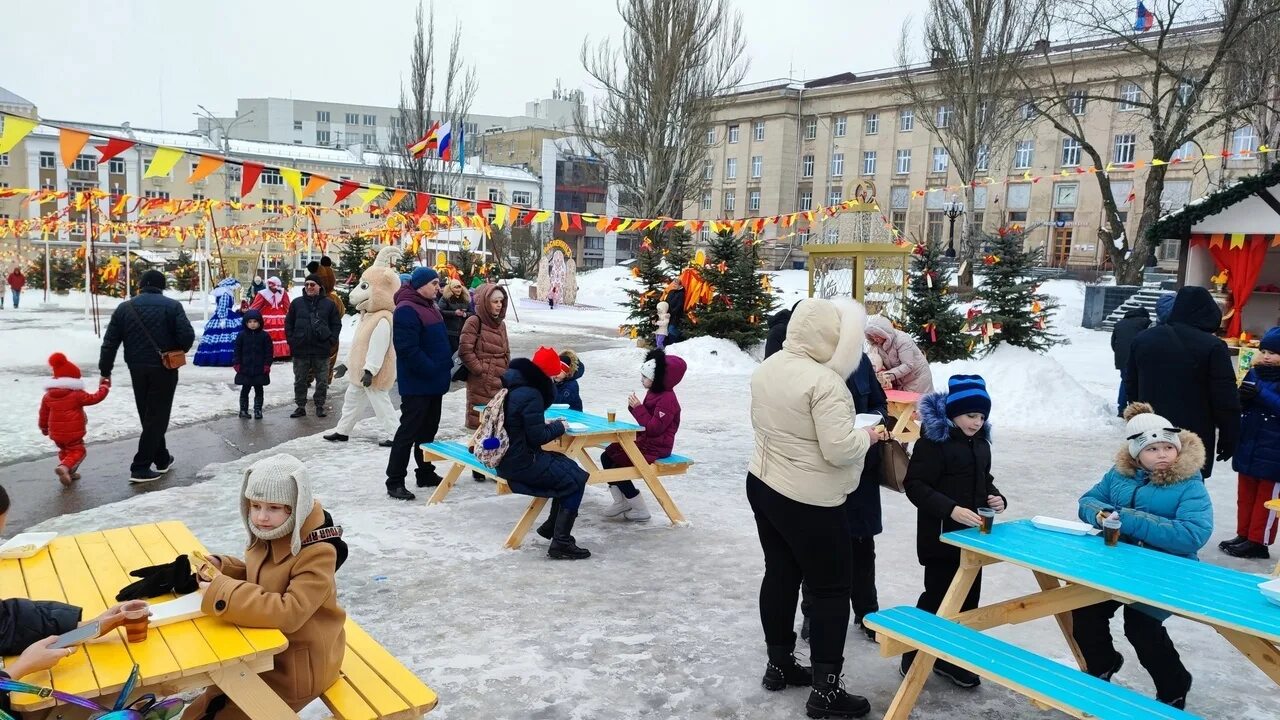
257	409
244	407
548	526
563	546
784	670
828	699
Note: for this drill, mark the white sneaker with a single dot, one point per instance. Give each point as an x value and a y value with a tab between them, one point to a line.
620	503
636	511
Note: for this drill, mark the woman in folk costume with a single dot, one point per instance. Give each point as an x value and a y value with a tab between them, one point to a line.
273	303
218	341
372	358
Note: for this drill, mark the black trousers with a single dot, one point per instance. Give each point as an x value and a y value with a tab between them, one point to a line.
257	396
304	370
938	575
809	543
419	421
1091	627
862	593
627	487
153	390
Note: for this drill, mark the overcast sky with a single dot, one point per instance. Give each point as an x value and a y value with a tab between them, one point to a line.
152	62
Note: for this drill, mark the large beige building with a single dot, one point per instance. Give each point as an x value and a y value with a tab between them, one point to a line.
784	146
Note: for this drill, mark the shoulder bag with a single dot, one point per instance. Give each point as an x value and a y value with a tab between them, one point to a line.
170	359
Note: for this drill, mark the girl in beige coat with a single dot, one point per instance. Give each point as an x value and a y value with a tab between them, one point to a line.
285	582
484	350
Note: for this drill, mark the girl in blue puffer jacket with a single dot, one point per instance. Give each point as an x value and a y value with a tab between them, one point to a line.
1257	457
1156	488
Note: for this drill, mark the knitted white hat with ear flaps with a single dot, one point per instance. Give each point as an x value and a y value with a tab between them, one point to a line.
1144	427
280	480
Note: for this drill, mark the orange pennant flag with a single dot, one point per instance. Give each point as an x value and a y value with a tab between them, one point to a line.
396	197
1275	241
71	142
1215	240
206	167
313	184
564	221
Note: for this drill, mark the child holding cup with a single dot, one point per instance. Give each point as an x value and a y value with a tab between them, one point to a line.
1156	491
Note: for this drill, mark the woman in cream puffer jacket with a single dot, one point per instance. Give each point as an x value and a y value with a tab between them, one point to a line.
808	457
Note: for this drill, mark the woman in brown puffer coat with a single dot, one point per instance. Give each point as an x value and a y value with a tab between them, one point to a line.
484	350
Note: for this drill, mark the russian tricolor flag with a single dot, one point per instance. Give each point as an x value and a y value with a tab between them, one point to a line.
1145	19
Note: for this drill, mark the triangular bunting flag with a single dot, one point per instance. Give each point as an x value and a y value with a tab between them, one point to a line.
564	221
420	204
71	142
1237	240
163	162
315	183
15	128
442	204
394	201
249	173
626	224
541	216
207	165
293	178
500	215
369	194
345	188
575	221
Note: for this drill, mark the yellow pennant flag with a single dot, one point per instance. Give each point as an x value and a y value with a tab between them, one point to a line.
207	166
15	128
71	142
1237	240
500	215
542	216
1157	162
293	178
367	196
442	204
163	162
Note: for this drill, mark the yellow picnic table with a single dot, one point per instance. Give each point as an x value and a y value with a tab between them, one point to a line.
902	406
88	570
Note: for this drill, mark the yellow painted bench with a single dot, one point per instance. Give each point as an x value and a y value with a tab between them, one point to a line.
375	685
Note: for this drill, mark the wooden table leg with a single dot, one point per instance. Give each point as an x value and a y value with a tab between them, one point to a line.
651	479
1048	582
1260	652
526	521
450	479
248	691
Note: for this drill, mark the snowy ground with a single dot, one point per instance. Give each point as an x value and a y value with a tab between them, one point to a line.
662	622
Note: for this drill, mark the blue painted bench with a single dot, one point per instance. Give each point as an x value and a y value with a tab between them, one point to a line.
1048	683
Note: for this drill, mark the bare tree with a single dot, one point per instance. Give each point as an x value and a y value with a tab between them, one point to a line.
976	50
660	90
1252	70
1171	79
418	112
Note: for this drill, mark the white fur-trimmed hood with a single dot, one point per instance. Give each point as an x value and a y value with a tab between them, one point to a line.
64	384
829	332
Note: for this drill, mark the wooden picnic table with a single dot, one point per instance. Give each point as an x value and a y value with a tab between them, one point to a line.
1076	571
88	570
902	405
1274	505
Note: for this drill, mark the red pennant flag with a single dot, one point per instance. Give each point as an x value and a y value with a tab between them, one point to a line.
249	173
697	226
642	225
759	225
420	204
668	225
114	147
344	190
613	225
483	207
575	221
527	217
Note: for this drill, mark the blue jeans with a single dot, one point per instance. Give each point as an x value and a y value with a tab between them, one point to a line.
1121	399
16	295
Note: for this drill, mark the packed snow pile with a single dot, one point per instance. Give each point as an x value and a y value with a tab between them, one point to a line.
605	288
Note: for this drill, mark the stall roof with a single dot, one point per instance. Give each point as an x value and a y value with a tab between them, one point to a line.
1254	202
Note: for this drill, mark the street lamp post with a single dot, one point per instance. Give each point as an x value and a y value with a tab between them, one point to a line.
953	209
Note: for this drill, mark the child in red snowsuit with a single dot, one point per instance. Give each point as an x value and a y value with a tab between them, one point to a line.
62	415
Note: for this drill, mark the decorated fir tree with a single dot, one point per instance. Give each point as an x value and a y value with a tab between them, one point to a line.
930	313
642	302
678	249
1009	308
186	275
354	258
739	304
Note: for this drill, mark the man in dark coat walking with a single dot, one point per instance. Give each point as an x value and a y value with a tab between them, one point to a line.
1185	373
148	326
1122	335
778	330
312	327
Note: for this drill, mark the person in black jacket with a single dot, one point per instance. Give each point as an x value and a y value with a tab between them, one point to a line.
1184	372
312	327
778	330
252	361
948	479
148	325
1122	335
675	305
530	470
455	305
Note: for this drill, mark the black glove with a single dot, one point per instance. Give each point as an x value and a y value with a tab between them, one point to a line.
157	580
1225	452
1248	391
367	380
339	370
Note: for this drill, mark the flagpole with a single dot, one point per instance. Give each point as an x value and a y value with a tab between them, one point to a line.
88	249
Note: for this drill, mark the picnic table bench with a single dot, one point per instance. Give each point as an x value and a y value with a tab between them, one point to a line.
902	407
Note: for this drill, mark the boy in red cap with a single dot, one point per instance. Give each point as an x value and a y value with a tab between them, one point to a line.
62	415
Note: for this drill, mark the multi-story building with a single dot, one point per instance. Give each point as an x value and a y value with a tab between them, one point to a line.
786	146
576	181
36	163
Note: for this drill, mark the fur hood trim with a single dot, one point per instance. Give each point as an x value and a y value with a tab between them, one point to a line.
848	352
1190	461
529	374
934	423
64	384
570	358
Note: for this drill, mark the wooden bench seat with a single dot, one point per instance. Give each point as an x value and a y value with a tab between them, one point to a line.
374	685
1046	682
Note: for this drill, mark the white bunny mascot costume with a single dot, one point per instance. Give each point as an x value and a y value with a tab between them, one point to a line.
372	359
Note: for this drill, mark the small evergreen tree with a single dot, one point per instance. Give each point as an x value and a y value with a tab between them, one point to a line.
739	304
678	249
35	274
186	274
1008	297
930	313
354	258
642	302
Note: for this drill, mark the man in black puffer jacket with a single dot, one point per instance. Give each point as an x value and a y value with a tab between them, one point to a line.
1135	321
1183	371
778	329
312	327
148	325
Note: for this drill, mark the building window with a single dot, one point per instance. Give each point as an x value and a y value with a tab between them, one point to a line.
733	133
711	136
1066	195
944	116
906	120
1018	196
706	201
233	173
495	195
1027	111
1244	141
831	233
872	124
708	170
1125	147
806	200
753	200
1023	154
271	176
933	226
941	160
811	128
869	162
1176	194
899	197
904	162
1130	96
730	200
982	159
837	164
521	197
115	166
802	236
200	196
48	161
704	236
271	205
841	126
806	166
322	137
1077	101
158	194
835	195
1182	154
731	169
1186	91
1121	190
396	122
85	163
757	166
353	118
1070	152
4	159
322	116
757	130
371	120
297	124
899	220
1015	217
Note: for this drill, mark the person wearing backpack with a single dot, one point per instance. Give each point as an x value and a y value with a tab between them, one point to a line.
527	468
